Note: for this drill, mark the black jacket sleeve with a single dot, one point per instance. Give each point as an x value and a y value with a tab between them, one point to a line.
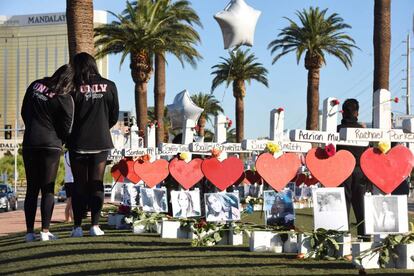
113	107
67	115
25	105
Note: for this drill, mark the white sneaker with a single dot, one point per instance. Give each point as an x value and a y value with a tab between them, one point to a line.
30	237
77	232
47	236
96	231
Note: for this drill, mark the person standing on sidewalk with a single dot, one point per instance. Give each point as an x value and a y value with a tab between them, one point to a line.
68	188
47	112
96	111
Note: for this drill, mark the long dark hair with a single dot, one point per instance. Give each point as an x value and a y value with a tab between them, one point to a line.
61	82
85	66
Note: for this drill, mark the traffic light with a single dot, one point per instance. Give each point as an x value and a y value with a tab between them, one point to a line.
126	119
7	133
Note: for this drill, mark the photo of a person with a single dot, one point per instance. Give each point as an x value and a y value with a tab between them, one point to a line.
329	209
222	206
154	200
279	208
327	202
385	214
186	204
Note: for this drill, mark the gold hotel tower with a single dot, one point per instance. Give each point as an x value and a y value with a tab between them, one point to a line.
32	47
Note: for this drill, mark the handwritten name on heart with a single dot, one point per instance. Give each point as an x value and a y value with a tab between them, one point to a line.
126	167
223	174
387	171
187	174
152	173
277	172
330	171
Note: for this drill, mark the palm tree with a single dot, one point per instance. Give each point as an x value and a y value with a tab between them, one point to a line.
138	32
79	18
211	107
179	43
231	135
382	41
241	66
317	35
165	124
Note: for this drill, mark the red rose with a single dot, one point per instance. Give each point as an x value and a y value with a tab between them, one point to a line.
330	150
396	100
201	223
335	102
124	209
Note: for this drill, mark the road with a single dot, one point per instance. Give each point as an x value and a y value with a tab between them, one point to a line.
14	221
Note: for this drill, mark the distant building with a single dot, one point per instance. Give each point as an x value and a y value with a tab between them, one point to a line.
32	47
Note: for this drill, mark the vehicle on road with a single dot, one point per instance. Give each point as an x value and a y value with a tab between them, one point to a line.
61	196
107	189
8	198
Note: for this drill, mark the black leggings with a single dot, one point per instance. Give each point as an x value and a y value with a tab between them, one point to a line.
88	172
41	167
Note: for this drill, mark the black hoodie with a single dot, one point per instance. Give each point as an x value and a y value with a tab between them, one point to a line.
96	111
47	117
356	151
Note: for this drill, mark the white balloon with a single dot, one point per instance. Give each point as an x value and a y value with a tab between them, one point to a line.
238	23
183	108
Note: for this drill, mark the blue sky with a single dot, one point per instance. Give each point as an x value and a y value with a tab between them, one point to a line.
287	79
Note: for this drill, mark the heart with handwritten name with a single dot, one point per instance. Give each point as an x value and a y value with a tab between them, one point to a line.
187	174
126	167
387	171
152	173
330	171
223	174
277	172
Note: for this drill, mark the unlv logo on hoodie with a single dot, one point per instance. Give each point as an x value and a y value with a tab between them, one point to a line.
94	91
42	92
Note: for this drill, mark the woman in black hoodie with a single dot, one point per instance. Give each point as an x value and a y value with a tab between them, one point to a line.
96	111
47	112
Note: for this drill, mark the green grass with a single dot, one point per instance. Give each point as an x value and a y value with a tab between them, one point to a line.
121	252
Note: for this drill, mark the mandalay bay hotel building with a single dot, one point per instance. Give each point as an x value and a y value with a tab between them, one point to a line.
32	47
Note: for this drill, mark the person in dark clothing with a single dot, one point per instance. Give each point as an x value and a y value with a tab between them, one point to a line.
47	112
355	185
96	111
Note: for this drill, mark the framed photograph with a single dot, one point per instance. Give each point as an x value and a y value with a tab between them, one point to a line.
154	200
278	208
222	206
385	214
186	204
329	209
130	194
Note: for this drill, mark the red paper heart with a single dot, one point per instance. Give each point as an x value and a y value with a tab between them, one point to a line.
116	173
223	174
187	174
387	171
277	172
252	177
126	167
152	173
330	171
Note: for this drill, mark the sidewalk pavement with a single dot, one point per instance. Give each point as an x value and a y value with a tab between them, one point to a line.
14	221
